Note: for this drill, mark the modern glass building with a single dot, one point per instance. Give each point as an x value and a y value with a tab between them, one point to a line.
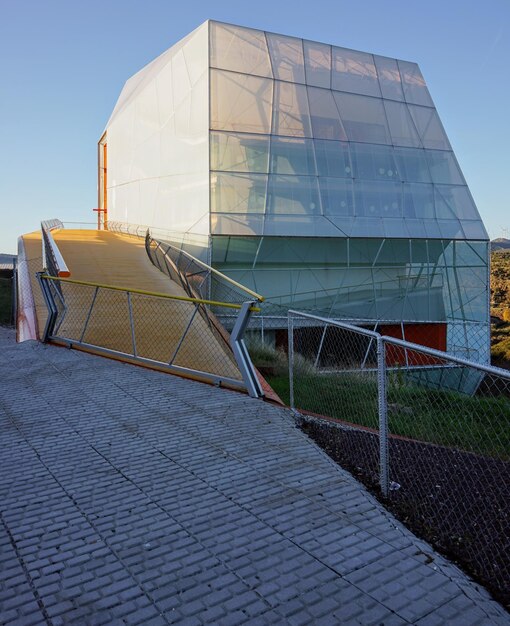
319	176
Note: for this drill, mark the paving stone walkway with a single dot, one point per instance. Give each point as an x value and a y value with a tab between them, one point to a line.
133	497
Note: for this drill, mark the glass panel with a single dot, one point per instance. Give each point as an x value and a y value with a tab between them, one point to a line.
412	165
402	128
333	158
389	78
453	201
363	118
354	72
239	49
415	89
326	123
444	167
234	249
451	229
239	153
429	128
298	195
242	224
292	156
287	58
299	226
378	199
418	200
337	196
238	193
240	102
373	162
290	115
474	229
317	64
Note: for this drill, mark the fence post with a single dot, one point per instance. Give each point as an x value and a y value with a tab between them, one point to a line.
383	418
241	354
291	360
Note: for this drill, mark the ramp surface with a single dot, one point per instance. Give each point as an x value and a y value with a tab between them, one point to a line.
120	260
131	497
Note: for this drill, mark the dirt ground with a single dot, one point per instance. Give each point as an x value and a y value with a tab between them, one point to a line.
464	512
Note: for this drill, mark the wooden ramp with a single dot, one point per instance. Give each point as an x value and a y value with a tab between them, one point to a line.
120	260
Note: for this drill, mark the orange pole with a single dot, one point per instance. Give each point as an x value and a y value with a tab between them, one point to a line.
105	195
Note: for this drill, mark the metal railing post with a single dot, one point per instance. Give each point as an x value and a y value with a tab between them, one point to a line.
384	474
241	354
51	306
291	360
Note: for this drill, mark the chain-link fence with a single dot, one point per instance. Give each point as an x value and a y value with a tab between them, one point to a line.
172	332
429	430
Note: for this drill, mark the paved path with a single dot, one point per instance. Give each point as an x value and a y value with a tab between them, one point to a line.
133	497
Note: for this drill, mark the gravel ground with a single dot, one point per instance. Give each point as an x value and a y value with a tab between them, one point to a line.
464	511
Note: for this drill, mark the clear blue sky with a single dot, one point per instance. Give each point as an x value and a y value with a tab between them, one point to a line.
63	64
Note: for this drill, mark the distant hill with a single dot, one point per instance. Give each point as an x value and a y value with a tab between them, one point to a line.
500	244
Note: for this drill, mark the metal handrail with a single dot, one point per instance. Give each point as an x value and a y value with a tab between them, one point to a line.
52	257
223	277
157	294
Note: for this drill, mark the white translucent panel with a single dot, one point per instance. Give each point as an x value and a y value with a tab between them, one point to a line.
146	121
415	228
238	193
454	201
326	122
412	165
336	196
243	224
389	78
293	195
333	158
418	200
299	226
239	49
474	229
402	129
443	167
292	156
174	193
373	162
196	54
378	198
363	118
429	128
367	227
181	84
290	112
354	72
317	64
415	89
240	102
239	152
451	229
287	57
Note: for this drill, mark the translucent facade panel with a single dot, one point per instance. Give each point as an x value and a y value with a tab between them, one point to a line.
389	78
236	250
450	229
292	156
333	158
240	102
291	116
238	193
298	226
444	168
415	89
363	118
378	198
418	200
337	196
287	57
244	224
474	229
429	128
412	165
402	129
317	64
454	202
239	152
326	122
373	162
239	49
354	72
295	195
